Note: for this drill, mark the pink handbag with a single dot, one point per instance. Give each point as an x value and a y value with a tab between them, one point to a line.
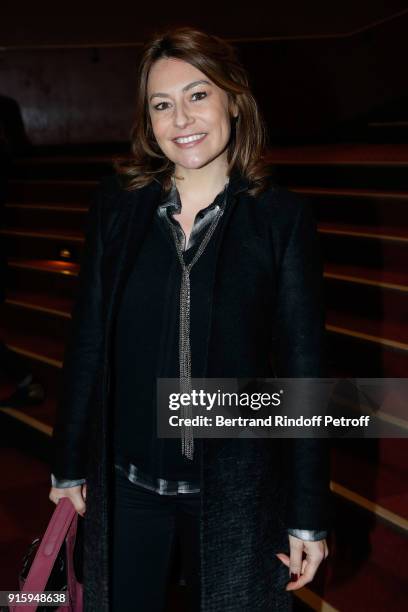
62	526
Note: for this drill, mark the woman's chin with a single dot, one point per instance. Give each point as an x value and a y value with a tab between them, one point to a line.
195	163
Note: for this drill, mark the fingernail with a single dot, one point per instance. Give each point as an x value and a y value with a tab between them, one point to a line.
293	577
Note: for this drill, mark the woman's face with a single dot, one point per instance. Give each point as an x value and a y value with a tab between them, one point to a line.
189	113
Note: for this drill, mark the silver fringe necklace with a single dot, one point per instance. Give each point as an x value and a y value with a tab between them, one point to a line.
187	438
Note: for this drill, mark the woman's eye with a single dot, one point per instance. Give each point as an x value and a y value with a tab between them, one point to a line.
196	96
201	94
160	106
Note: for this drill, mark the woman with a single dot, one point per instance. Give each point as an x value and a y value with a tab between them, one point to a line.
195	264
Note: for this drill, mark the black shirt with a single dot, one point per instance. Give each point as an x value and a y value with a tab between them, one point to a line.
146	341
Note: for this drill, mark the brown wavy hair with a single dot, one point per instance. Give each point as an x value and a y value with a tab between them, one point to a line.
217	59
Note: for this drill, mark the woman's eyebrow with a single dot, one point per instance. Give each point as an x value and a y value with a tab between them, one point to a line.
185	88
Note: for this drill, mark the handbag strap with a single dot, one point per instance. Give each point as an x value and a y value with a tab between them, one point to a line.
63	521
75	588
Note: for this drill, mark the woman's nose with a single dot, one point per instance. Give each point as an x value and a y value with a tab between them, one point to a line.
181	116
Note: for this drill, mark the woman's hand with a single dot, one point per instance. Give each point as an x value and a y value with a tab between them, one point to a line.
303	571
77	495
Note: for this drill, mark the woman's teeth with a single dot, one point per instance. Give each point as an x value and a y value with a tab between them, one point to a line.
189	138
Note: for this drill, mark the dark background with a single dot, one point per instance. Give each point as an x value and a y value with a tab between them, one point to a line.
315	67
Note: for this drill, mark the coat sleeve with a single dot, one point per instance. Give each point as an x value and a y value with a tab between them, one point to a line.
82	356
301	352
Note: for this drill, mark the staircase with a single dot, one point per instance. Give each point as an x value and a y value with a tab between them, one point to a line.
360	194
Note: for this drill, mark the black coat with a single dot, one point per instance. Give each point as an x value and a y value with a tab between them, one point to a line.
265	317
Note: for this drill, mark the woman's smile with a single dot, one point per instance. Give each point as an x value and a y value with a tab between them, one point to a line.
186	142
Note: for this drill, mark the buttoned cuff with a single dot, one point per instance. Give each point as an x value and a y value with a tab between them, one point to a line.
308	534
64	483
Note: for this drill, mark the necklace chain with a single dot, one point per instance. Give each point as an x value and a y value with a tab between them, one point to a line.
187	438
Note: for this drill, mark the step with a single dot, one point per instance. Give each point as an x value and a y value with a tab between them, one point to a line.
36	244
346	165
365	347
357	206
351	196
382	397
390	453
42	276
375	177
56	305
351	353
389	333
86	149
357	154
388	131
46	266
49	317
383	280
393	234
367	301
345	247
33	345
56	206
62	167
356	465
381	248
45	217
39	418
50	190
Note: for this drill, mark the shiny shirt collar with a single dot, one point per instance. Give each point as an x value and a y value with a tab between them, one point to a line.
171	204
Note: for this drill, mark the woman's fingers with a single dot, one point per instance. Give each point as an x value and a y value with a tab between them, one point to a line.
295	561
75	495
284	558
310	566
315	553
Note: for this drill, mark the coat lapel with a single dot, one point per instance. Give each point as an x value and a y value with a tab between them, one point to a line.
137	209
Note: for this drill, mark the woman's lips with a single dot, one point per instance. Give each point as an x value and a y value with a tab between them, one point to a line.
188	145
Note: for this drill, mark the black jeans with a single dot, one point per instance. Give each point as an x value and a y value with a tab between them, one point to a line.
146	526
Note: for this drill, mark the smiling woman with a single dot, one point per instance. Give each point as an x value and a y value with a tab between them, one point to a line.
195	265
192	125
191	86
